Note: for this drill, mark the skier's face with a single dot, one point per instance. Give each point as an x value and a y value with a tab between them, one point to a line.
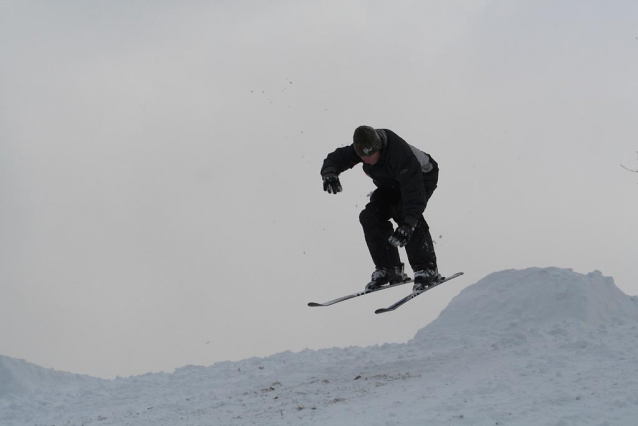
372	159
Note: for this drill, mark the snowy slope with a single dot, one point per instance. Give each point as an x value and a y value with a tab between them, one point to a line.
520	347
18	376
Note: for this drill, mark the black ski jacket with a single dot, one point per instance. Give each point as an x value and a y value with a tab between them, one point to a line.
401	167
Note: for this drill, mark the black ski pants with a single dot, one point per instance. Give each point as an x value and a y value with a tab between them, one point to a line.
386	204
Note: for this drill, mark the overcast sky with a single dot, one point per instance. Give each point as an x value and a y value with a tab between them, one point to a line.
161	203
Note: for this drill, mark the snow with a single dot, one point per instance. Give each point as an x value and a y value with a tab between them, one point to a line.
540	346
18	376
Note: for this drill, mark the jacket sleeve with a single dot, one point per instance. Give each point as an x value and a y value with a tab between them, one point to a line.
340	160
410	177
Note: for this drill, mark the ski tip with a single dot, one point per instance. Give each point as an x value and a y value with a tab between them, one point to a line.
382	310
314	305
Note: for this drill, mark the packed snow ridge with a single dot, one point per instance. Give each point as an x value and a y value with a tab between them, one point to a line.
18	376
529	301
540	346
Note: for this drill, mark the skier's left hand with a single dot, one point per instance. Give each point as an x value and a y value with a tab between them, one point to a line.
402	235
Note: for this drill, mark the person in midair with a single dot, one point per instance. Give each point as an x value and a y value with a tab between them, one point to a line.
405	178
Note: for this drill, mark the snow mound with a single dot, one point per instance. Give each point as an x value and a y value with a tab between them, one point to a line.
535	298
520	347
18	376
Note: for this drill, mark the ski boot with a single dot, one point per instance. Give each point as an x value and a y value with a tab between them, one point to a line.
383	276
424	278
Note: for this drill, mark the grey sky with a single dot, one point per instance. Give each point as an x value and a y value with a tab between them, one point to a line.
159	165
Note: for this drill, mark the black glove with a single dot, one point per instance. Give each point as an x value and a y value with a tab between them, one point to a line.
402	235
331	183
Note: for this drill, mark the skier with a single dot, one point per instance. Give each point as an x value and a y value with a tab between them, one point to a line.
405	178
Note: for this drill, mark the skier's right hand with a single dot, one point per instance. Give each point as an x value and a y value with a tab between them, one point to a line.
331	183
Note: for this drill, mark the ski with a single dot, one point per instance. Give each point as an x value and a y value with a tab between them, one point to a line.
415	294
360	293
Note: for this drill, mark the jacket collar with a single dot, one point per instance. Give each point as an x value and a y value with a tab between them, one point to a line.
384	140
383	137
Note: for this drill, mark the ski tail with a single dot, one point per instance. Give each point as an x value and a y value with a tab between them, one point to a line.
357	294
